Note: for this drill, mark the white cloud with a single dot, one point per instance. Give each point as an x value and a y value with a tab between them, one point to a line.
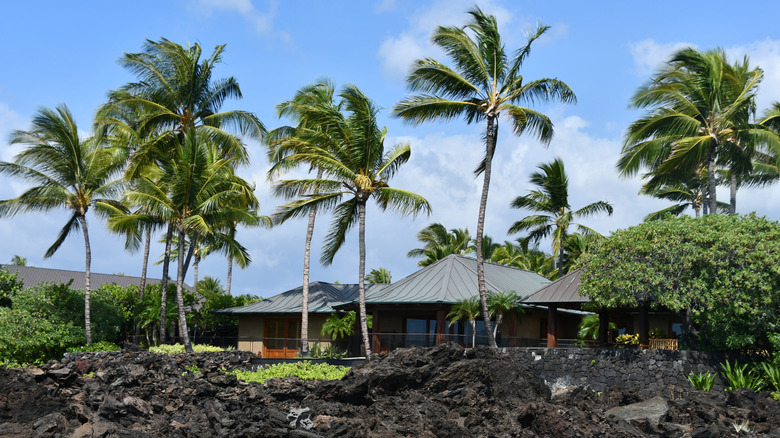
385	6
650	55
261	21
397	52
764	54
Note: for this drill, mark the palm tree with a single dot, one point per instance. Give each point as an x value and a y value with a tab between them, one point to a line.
699	110
196	194
18	260
503	303
467	309
483	84
551	201
304	108
176	92
379	276
440	243
67	172
590	325
358	169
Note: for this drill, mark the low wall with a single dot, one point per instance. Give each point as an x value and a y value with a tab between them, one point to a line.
650	372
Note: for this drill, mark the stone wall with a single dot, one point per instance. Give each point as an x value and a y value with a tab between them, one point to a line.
650	372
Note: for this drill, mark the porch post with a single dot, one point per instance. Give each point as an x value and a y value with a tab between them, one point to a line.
441	326
644	326
603	327
376	343
552	339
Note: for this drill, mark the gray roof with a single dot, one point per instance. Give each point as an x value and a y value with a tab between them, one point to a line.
564	290
454	278
322	298
32	276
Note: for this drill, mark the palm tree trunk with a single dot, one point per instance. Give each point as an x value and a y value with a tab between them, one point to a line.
305	298
560	260
229	274
733	190
164	283
191	251
88	251
185	337
711	186
490	140
361	275
195	270
499	320
473	333
147	244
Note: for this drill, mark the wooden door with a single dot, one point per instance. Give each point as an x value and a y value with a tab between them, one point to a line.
282	338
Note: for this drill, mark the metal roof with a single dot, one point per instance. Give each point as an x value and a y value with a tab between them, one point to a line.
32	276
564	290
454	278
322	298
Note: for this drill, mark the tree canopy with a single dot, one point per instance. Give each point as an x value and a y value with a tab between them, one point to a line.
721	273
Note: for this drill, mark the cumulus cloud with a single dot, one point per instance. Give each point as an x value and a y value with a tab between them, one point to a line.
649	55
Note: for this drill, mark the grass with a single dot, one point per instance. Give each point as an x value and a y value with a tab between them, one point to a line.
179	348
304	370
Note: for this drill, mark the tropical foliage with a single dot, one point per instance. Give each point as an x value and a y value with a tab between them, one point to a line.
485	82
356	171
439	243
718	272
554	216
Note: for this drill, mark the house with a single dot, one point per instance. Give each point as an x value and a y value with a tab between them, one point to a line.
412	311
32	276
563	294
271	327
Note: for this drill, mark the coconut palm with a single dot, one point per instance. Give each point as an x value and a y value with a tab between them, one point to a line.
176	92
196	194
698	112
484	84
503	303
66	172
379	276
440	243
354	172
467	309
551	201
590	325
304	109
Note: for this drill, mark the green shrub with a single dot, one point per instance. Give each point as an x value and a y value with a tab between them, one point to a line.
741	377
772	376
29	338
192	369
179	348
657	334
95	347
329	352
702	381
5	363
627	340
304	370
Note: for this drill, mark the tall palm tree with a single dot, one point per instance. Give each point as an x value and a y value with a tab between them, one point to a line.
483	84
196	194
354	172
440	243
176	92
305	109
551	201
698	111
66	172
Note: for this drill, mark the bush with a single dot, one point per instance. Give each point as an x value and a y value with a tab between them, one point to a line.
329	352
179	348
719	272
627	340
737	377
29	338
304	370
702	381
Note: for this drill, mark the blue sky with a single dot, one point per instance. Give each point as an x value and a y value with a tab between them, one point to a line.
66	52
